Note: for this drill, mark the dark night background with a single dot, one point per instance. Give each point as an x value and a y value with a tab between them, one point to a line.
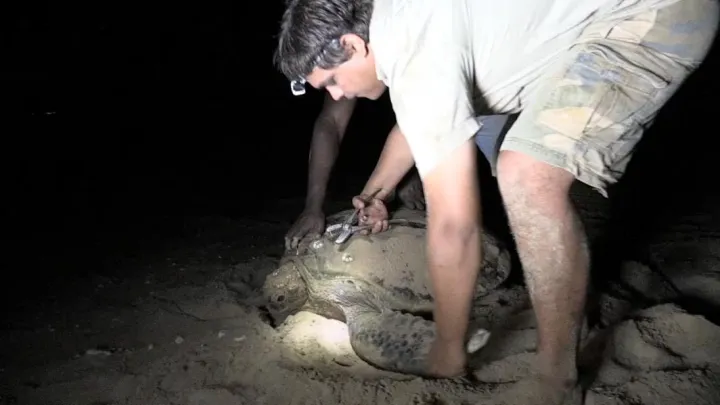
158	113
123	120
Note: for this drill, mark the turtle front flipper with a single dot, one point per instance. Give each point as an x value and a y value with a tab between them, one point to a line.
397	341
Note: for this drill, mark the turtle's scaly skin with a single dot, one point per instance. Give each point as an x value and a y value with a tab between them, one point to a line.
376	284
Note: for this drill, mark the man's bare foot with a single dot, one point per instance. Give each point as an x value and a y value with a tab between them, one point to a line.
447	360
540	390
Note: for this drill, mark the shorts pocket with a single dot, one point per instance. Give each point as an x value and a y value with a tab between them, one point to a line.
601	88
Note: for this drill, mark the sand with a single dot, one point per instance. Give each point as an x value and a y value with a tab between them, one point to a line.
181	326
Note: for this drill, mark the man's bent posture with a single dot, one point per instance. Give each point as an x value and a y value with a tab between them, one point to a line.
587	75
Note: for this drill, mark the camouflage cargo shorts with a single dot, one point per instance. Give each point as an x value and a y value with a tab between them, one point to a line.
591	107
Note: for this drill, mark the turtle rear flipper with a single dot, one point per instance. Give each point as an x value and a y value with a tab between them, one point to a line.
396	341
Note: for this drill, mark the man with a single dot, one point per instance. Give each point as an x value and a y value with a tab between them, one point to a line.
587	76
328	133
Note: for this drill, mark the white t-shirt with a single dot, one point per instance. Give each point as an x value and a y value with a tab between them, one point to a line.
446	60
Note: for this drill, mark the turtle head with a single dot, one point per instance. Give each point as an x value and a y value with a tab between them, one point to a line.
285	291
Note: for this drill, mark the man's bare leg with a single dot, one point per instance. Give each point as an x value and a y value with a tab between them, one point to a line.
553	250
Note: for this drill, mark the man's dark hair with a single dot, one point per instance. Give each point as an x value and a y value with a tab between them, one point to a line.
310	34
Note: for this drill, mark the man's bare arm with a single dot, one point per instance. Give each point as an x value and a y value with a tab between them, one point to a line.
328	133
395	161
454	240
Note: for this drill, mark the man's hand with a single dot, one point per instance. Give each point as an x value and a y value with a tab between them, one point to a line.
373	213
309	223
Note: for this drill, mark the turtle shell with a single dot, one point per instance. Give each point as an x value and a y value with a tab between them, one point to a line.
394	261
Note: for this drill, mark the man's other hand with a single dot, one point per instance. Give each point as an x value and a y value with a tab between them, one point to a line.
310	223
373	213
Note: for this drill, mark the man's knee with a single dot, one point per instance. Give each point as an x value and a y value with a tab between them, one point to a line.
526	182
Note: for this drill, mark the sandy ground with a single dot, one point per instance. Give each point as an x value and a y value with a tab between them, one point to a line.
177	326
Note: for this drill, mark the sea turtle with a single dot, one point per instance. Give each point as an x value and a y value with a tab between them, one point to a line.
379	286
